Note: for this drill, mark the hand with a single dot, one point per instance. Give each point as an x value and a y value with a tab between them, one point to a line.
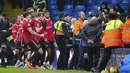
17	51
89	41
90	13
92	41
42	35
46	40
118	13
105	10
98	8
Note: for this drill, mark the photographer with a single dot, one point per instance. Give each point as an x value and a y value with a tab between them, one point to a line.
4	26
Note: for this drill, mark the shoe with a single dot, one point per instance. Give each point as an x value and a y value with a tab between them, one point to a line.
51	67
17	64
94	70
25	66
28	64
21	64
46	65
42	67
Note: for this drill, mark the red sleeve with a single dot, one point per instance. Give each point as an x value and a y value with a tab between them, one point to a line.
26	24
14	31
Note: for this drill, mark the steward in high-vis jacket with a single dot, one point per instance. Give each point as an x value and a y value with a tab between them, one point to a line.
125	28
61	34
112	39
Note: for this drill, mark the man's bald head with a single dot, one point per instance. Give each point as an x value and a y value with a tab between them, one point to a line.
82	15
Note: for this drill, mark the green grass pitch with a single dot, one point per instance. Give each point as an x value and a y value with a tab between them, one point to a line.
12	69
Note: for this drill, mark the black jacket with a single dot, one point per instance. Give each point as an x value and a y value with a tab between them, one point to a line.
93	30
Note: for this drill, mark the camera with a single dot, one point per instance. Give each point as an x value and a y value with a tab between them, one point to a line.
3	48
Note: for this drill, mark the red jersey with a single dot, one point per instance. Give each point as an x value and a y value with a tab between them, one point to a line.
14	31
37	24
49	30
20	31
26	35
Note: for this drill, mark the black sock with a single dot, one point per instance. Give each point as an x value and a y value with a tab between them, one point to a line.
35	59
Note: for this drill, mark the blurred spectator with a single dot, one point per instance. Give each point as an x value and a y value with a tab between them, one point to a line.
104	8
27	3
60	4
16	3
1	5
91	36
129	10
120	12
125	34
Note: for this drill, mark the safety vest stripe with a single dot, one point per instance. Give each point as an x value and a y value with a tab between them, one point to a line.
69	45
126	31
78	39
75	29
113	40
126	40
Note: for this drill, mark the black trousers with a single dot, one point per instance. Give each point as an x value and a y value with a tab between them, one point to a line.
61	43
127	45
106	57
93	57
74	60
69	46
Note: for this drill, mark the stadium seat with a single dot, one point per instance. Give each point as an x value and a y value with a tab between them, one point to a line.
90	1
79	8
101	1
110	6
51	2
55	18
67	12
115	1
53	7
68	7
95	7
54	12
127	2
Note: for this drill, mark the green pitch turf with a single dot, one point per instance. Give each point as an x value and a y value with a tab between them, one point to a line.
11	69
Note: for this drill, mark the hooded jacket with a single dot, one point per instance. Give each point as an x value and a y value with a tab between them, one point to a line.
93	31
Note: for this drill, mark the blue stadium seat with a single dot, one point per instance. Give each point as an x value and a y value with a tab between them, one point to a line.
110	6
79	8
127	2
53	7
55	18
68	12
75	16
51	2
90	1
101	1
54	12
115	1
95	7
68	7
